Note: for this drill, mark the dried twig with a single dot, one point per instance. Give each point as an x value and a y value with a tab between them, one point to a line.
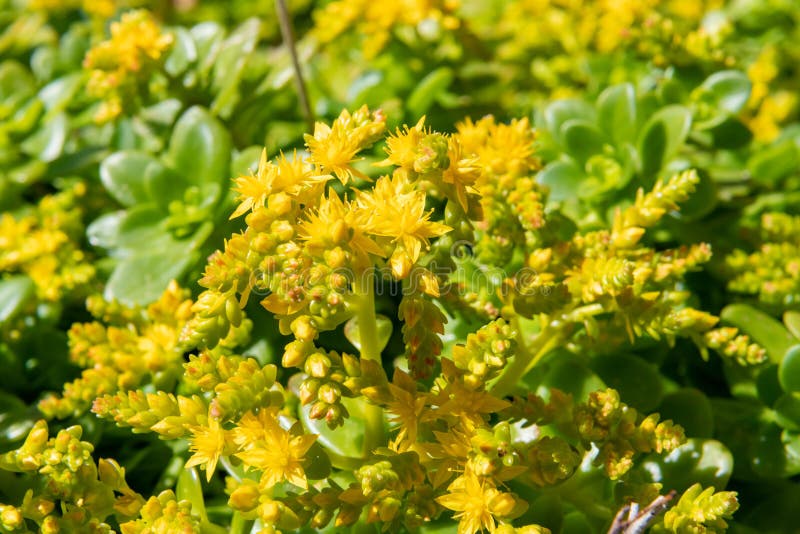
288	39
629	520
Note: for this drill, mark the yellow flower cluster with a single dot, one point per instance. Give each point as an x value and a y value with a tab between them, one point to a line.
767	109
120	67
771	273
71	492
316	249
375	21
614	288
45	244
138	346
311	249
665	30
102	9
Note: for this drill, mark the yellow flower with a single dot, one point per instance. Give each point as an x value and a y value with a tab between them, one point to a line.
398	212
207	443
402	146
334	148
476	503
501	148
405	408
101	9
122	62
462	172
466	406
272	450
290	176
336	223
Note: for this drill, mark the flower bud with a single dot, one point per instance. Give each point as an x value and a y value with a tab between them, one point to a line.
244	498
317	365
10	517
329	393
432	154
303	328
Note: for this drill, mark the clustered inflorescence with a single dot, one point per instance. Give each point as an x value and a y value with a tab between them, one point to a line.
459	323
445	432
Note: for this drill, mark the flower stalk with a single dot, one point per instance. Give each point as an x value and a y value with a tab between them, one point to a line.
527	356
370	349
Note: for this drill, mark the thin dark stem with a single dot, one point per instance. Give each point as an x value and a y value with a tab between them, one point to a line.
288	39
630	520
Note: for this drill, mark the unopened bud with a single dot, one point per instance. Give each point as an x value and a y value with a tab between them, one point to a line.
244	498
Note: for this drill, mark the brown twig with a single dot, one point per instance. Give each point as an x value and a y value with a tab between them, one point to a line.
629	520
288	39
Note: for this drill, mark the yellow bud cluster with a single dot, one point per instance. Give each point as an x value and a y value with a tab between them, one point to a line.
121	65
45	245
772	272
71	493
139	346
375	21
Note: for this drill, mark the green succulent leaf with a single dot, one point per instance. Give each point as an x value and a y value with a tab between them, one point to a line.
200	147
773	163
638	382
789	369
563	179
791	319
182	54
384	331
690	408
141	277
343	444
570	376
706	461
787	411
229	66
103	232
561	111
123	175
190	488
616	112
15	292
428	90
582	139
47	143
58	94
729	90
661	138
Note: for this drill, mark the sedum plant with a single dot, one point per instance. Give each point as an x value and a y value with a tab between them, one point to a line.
415	321
409	430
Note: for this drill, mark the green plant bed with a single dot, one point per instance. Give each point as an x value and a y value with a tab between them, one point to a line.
425	267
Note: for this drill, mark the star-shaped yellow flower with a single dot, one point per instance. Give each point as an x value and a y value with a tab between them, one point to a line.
208	443
476	502
289	175
336	223
397	211
334	148
272	450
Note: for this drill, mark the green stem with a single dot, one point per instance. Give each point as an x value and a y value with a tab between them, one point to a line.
190	488
367	322
526	358
581	490
211	528
370	350
239	525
